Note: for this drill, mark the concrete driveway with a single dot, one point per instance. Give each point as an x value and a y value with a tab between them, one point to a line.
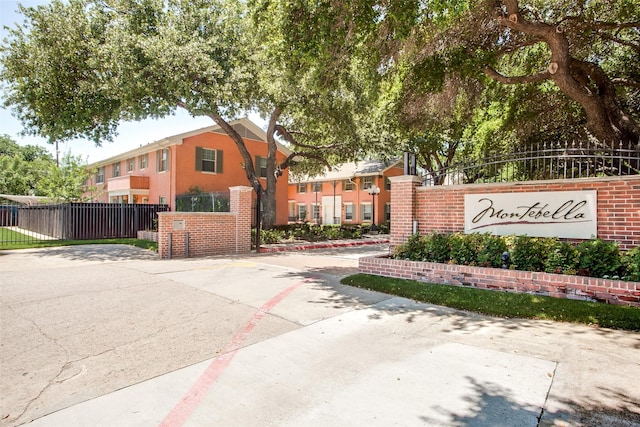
112	336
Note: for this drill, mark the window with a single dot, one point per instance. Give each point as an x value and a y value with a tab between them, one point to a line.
348	212
261	166
316	211
100	175
208	160
316	187
115	170
367	182
143	161
162	160
387	212
302	187
348	185
387	183
131	165
292	211
366	213
302	212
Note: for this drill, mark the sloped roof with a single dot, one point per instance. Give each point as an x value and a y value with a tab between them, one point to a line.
245	127
351	170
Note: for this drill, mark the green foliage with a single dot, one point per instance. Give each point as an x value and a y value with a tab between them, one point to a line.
562	258
464	249
414	249
31	170
67	182
438	247
631	264
529	253
271	236
490	250
598	258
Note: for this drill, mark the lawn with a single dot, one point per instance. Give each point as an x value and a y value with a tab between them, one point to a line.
10	239
504	304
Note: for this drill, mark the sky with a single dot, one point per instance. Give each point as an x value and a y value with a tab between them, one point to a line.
130	134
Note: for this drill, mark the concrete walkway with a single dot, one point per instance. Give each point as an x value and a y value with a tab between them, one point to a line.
112	336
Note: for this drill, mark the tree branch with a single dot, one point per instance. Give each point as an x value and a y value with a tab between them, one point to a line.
621	81
287	162
614	39
533	78
282	131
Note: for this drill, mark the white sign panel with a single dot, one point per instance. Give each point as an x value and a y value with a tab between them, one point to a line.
567	214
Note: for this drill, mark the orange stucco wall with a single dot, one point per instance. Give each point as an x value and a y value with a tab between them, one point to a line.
357	196
183	176
233	172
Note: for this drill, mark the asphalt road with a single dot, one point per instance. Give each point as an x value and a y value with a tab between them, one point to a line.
112	336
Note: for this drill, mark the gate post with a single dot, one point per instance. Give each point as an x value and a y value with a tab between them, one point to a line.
240	204
403	207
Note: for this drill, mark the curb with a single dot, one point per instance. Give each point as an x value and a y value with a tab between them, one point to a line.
323	245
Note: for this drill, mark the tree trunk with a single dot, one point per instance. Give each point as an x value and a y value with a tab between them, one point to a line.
584	82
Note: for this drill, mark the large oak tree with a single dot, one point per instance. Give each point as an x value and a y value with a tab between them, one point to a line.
78	68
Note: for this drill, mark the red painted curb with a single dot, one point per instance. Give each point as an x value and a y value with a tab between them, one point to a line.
311	246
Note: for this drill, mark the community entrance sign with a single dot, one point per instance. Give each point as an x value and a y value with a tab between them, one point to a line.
566	214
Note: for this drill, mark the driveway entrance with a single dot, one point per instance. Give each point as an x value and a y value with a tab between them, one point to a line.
110	335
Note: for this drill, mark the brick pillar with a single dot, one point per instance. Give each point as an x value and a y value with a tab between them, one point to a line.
240	203
403	207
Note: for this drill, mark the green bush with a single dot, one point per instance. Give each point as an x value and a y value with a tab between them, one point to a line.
595	258
562	258
437	247
631	264
490	250
271	236
414	249
464	249
598	258
528	253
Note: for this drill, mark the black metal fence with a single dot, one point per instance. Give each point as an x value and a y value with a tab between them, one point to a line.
543	161
203	202
75	221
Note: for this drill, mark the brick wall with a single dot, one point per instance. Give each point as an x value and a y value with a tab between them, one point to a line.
209	233
555	285
441	208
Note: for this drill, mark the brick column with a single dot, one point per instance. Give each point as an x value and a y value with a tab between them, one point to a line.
403	207
240	203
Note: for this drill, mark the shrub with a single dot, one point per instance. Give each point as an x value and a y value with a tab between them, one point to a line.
490	250
631	264
528	253
598	258
595	258
562	258
464	249
414	249
271	236
332	232
437	247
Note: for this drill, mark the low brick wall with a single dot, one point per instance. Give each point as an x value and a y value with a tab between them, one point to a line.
207	233
555	285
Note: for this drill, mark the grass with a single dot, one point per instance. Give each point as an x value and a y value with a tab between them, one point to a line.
145	244
504	304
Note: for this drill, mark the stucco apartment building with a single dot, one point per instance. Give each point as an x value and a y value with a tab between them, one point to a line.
206	159
344	194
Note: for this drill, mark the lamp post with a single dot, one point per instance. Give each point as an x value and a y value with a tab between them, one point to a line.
373	191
